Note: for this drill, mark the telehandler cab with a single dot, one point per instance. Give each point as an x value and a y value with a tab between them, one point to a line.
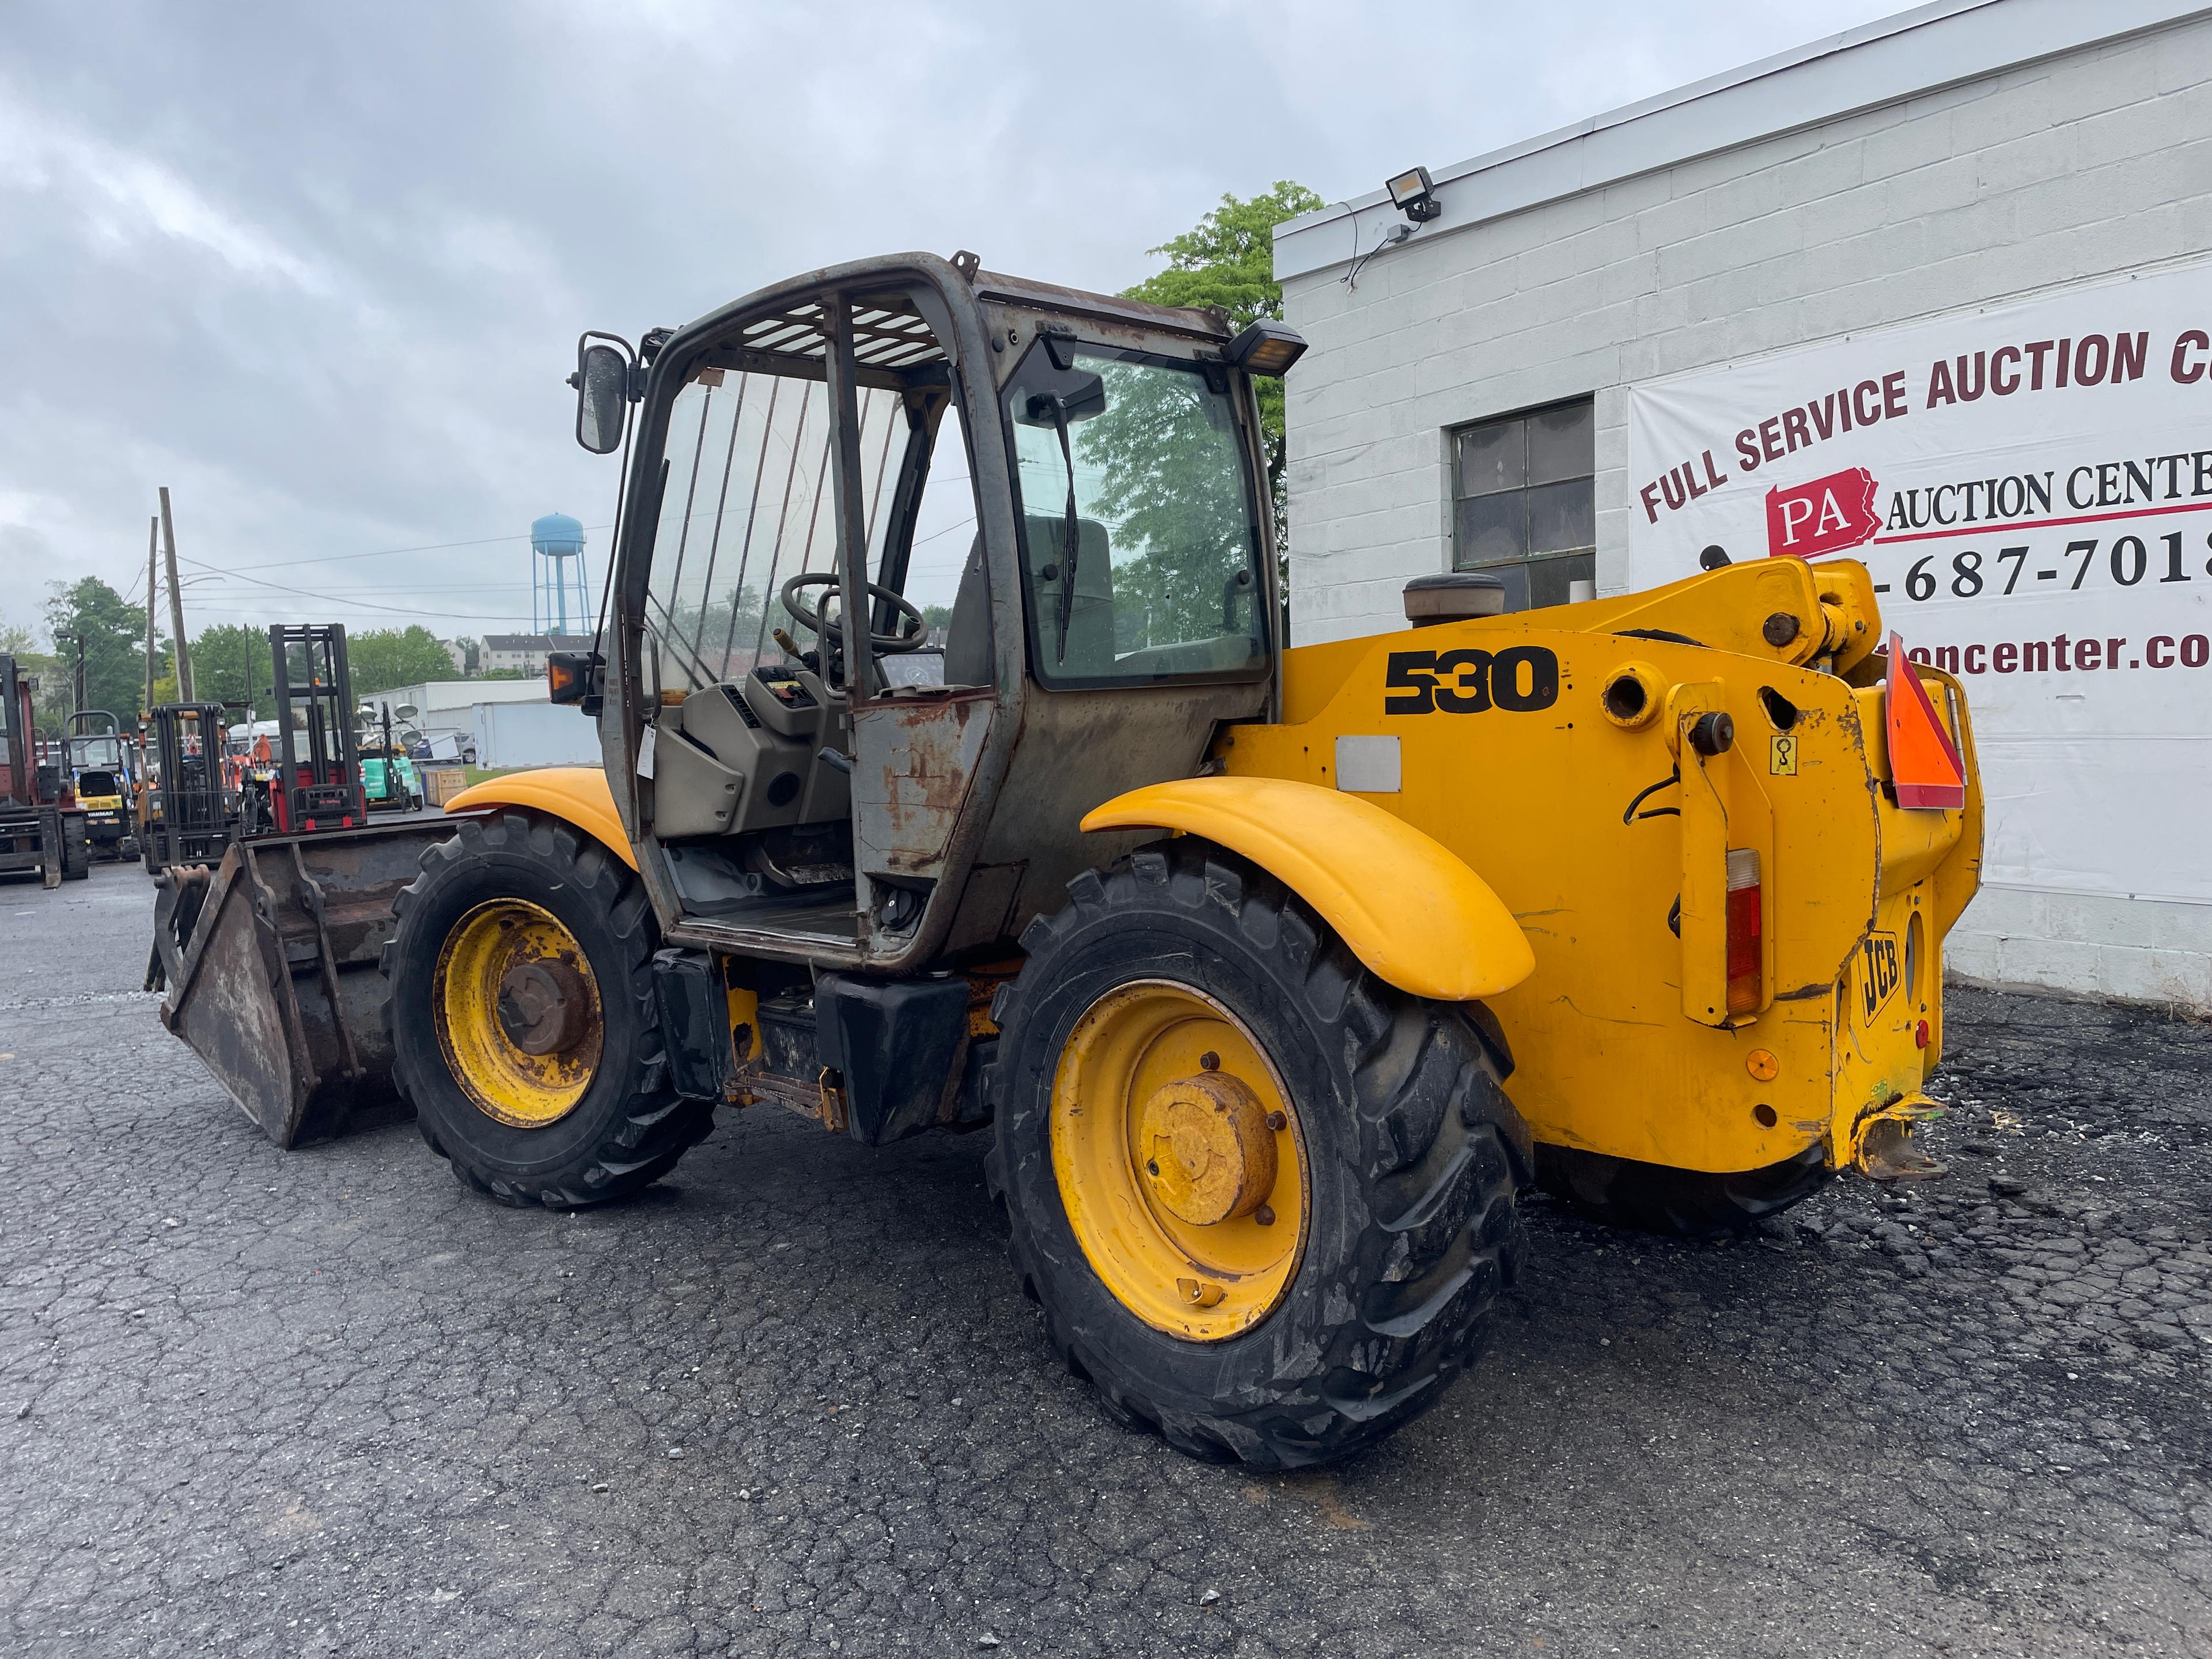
1235	947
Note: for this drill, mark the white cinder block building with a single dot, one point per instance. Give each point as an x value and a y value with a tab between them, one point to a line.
1930	293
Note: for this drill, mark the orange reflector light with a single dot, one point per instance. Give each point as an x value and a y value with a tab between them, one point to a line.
1923	761
1745	926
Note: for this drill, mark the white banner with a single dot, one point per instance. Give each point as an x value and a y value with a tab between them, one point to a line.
2031	485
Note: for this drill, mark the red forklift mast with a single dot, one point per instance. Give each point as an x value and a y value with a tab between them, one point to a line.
42	830
319	760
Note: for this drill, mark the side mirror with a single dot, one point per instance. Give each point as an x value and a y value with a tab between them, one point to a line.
602	383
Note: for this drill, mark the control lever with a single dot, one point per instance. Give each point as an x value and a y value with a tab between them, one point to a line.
837	760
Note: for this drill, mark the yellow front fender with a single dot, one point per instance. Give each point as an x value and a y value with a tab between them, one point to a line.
574	795
1408	906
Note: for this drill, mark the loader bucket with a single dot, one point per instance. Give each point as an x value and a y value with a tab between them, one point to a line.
270	962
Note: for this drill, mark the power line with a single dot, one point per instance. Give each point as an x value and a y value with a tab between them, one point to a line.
389	552
326	598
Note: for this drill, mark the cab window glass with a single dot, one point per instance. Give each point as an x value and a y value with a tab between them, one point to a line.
1141	549
747	506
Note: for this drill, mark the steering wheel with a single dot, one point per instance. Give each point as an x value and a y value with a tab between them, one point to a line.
907	639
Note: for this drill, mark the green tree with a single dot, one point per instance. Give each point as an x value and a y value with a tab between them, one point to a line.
385	657
231	665
1228	260
1171	495
113	637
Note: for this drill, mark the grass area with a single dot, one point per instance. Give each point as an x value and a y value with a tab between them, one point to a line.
477	775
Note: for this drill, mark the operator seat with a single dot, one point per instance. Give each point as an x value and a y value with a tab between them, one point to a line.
1091	642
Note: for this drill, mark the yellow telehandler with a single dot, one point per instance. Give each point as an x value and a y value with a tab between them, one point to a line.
1236	948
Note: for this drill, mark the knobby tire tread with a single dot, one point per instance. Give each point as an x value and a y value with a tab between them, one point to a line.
654	1127
1440	1154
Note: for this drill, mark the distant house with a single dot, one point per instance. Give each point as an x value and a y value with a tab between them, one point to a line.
527	651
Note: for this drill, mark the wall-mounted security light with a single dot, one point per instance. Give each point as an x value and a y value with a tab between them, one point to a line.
1413	194
1266	348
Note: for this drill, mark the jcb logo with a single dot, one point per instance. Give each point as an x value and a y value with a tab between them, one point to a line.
1878	974
1521	679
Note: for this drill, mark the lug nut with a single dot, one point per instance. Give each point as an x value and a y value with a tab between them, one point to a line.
1209	1061
1277	1121
1265	1215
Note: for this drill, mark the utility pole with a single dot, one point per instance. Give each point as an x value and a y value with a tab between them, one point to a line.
152	595
176	603
79	687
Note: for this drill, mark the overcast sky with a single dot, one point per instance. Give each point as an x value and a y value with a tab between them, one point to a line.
321	268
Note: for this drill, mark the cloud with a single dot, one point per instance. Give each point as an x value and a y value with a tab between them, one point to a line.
123	202
321	270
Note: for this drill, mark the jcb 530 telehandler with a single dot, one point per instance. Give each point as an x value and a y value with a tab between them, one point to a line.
1236	949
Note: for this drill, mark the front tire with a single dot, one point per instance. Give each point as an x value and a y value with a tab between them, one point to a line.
1405	1150
525	1029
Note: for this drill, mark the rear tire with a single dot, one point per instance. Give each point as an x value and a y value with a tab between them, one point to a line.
1412	1155
628	1128
1654	1198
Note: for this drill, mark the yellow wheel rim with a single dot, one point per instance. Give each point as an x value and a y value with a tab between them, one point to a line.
1180	1160
518	1013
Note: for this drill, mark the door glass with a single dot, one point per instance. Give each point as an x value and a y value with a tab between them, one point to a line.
748	505
1141	549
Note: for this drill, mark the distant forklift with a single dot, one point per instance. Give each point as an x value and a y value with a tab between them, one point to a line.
42	828
317	784
189	817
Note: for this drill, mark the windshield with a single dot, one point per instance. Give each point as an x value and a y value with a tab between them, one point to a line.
97	752
1142	550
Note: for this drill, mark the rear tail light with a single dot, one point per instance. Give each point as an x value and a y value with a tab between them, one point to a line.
1745	926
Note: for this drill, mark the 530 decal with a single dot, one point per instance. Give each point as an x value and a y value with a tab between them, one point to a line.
1520	679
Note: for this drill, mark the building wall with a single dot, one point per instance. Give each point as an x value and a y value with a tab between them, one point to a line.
2086	165
446	705
2091	165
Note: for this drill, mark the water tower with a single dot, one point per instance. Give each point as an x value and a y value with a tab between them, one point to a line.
560	593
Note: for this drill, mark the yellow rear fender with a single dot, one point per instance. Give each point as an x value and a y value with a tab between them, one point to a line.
1408	906
574	795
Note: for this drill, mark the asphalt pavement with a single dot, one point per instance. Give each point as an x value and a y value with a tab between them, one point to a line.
792	1402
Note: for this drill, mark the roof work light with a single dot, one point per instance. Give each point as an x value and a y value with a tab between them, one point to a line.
1412	193
1266	347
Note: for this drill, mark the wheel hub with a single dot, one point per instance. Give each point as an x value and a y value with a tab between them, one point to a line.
518	1013
1209	1154
543	1007
1179	1160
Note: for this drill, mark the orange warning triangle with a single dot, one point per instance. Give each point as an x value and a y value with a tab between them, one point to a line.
1923	761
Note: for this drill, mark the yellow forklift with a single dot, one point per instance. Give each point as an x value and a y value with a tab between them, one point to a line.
1277	975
